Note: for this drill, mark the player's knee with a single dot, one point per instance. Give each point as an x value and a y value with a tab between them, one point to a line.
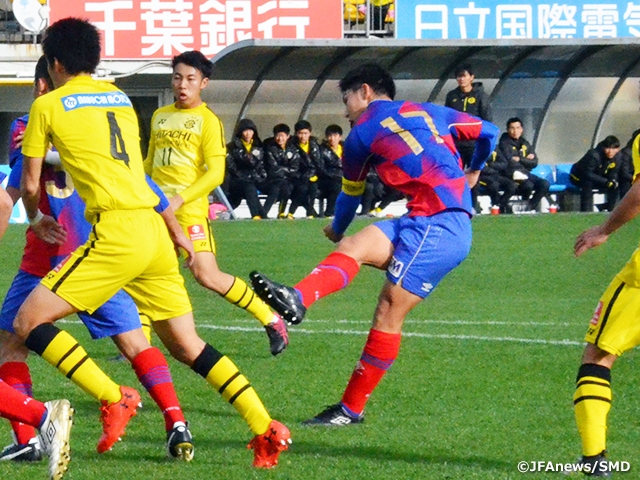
595	355
11	348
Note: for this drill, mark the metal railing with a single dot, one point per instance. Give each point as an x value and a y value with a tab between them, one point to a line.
369	18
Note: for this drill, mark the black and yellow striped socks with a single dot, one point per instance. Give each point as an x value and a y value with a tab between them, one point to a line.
241	295
63	352
592	402
225	377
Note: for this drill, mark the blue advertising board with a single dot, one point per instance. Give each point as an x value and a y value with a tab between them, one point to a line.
18	215
496	19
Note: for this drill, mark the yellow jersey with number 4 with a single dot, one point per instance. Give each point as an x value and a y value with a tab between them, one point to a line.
93	126
187	154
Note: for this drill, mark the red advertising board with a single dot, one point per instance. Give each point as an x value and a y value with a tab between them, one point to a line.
134	29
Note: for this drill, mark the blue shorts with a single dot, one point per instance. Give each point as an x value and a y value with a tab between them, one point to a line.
426	248
118	315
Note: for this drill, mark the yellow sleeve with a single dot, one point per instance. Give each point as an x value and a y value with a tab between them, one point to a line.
36	141
148	162
635	154
214	151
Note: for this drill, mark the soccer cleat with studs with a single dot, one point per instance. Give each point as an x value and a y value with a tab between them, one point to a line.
592	466
278	336
281	298
28	452
54	436
267	447
180	442
333	416
115	417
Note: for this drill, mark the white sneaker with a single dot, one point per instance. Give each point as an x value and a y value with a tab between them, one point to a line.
54	436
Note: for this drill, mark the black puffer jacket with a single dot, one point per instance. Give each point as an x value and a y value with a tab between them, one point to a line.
331	166
510	147
281	163
309	162
242	164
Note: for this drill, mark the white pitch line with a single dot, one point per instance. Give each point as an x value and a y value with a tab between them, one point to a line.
405	334
443	336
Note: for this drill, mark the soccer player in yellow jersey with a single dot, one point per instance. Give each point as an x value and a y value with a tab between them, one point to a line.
614	329
186	158
130	245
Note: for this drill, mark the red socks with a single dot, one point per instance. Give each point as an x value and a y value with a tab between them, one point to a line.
377	357
334	273
16	375
18	407
152	370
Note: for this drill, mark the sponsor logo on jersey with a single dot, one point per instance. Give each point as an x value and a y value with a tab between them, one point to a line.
427	287
190	123
395	267
111	99
596	315
471	100
196	232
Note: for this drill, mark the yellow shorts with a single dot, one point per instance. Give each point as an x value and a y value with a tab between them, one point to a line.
128	249
615	325
198	230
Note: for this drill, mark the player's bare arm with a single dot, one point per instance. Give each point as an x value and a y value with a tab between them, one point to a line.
6	205
472	176
178	237
44	226
625	211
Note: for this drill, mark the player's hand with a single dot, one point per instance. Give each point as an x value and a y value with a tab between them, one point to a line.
180	240
18	140
331	235
176	202
589	239
531	156
50	231
472	176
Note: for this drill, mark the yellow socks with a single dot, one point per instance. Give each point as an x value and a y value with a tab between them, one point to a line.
592	402
241	295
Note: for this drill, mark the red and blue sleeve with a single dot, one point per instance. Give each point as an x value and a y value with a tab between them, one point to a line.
467	127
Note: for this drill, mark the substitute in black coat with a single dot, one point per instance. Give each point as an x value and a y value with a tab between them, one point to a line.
245	167
522	159
598	169
330	169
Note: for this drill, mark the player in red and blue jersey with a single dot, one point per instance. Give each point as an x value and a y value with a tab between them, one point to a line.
411	146
118	318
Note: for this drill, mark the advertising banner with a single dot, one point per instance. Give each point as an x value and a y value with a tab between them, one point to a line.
161	29
499	19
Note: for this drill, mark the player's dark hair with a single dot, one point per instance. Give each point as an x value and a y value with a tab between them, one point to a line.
302	125
610	142
463	67
281	128
194	59
514	120
331	129
379	79
75	43
42	72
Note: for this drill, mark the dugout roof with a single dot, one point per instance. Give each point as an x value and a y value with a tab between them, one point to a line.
575	89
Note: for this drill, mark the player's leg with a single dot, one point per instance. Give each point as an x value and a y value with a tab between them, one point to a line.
235	291
119	319
14	370
426	250
181	339
369	246
34	325
612	331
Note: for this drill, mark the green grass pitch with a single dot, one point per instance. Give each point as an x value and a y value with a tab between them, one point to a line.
484	379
